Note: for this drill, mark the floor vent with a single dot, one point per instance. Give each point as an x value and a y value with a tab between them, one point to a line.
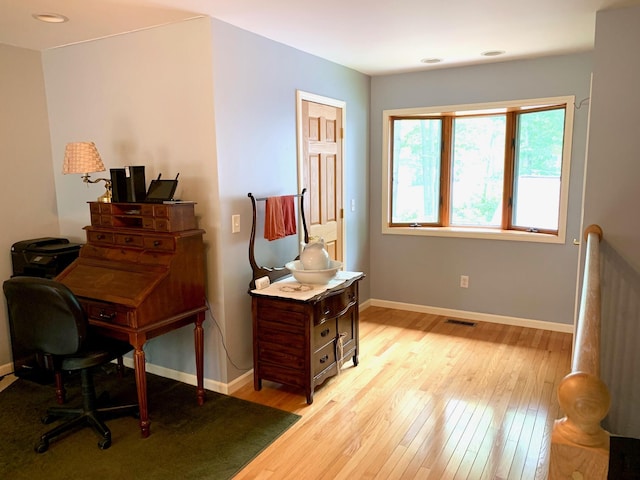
460	322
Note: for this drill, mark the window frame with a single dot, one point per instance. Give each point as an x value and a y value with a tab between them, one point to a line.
506	231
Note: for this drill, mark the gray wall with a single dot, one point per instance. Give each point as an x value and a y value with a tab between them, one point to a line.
27	189
255	83
612	194
611	200
216	104
514	279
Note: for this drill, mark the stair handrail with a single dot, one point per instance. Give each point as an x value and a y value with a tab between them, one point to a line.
579	445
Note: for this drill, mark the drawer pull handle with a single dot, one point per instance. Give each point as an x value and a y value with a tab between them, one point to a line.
157	243
106	316
325	332
324	359
128	239
327	311
100	237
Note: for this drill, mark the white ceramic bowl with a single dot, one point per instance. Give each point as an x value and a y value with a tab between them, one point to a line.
318	277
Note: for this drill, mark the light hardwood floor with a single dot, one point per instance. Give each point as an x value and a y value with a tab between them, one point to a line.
429	400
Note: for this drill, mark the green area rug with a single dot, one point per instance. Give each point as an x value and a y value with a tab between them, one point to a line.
187	441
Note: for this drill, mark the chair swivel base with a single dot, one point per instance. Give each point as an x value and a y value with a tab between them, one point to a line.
81	417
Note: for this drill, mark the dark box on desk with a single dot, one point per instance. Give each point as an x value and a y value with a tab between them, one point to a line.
118	185
128	184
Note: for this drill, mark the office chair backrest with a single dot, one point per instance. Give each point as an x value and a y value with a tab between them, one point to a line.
45	315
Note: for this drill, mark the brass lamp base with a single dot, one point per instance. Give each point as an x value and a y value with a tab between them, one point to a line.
106	196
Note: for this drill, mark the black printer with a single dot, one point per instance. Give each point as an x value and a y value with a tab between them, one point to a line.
39	257
43	257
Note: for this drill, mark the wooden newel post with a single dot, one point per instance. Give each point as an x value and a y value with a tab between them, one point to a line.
585	400
579	445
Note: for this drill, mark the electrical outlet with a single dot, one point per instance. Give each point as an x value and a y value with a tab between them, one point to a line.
464	281
235	223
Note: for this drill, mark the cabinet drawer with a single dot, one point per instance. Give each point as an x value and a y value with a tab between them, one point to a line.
269	311
100	237
123	254
129	240
161	211
347	327
95	219
280	355
323	334
108	313
106	221
335	305
162	225
146	209
159	243
323	358
282	336
148	257
105	208
110	253
276	373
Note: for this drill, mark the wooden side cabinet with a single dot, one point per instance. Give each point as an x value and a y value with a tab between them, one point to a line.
303	342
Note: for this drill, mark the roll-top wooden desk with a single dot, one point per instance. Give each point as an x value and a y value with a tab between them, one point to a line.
140	275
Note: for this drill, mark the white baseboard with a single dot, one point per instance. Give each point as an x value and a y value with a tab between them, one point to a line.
480	317
183	377
364	305
190	379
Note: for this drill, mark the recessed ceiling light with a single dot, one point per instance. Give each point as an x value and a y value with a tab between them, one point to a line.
431	60
50	17
492	53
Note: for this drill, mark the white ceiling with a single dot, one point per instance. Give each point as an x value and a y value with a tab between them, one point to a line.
372	36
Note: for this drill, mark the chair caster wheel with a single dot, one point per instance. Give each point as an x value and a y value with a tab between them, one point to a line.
42	447
104	443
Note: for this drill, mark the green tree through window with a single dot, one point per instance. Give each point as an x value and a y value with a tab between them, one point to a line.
499	169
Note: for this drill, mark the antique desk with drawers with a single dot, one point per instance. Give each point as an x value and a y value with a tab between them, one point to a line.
140	275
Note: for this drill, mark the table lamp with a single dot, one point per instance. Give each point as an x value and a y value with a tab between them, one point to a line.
83	157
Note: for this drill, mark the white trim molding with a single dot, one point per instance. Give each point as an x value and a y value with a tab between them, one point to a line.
480	317
188	378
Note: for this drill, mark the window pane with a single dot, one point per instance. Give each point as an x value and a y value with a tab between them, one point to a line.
477	171
539	142
416	170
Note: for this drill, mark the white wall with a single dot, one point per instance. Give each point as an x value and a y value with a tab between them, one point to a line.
144	98
526	281
147	98
26	184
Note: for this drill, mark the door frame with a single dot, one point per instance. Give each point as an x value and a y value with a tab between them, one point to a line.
312	97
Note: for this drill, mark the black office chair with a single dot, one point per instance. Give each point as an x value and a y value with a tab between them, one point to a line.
47	317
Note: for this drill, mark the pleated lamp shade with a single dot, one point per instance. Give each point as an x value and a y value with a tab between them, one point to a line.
82	157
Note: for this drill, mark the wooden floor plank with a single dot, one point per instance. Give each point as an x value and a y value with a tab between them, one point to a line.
430	399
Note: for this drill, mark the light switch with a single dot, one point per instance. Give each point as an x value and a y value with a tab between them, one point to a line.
235	223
